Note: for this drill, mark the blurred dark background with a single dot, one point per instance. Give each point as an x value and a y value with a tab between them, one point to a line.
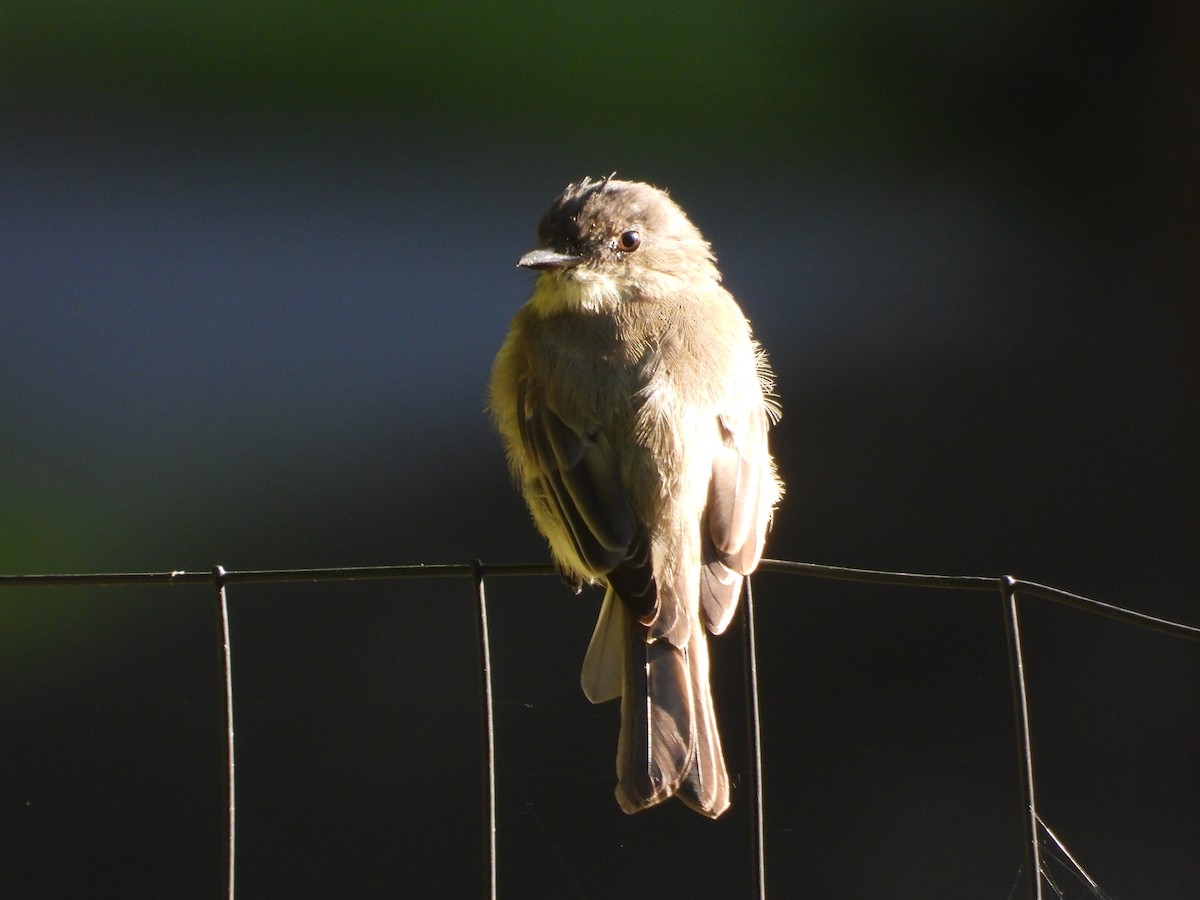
255	260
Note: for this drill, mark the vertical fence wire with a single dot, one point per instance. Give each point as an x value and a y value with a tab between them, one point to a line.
754	739
1016	666
489	729
218	575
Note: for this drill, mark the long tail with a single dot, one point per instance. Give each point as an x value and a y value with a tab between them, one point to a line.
669	744
706	787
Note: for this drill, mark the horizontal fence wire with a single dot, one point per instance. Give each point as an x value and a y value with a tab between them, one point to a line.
469	570
1007	586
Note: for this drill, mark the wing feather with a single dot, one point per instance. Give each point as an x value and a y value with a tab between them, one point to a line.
741	496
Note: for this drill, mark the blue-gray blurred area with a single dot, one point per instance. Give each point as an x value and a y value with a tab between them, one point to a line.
255	260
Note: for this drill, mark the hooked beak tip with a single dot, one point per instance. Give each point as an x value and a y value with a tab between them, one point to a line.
544	258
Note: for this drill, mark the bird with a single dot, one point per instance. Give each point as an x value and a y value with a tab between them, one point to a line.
634	405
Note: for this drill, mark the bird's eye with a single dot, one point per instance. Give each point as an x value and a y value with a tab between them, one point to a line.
629	241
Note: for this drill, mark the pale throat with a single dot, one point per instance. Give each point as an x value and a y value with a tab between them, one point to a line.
579	290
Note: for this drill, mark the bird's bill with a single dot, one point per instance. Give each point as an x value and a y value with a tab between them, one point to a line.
545	258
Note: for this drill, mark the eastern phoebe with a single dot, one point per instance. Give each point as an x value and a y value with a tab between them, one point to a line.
634	405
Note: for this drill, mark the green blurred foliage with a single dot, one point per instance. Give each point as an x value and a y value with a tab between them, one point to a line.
778	77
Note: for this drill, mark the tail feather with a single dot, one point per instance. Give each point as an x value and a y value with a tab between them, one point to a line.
706	787
602	676
654	751
669	743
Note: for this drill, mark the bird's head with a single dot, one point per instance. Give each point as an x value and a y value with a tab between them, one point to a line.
621	233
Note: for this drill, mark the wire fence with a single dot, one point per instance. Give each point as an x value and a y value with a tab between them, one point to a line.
1006	588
